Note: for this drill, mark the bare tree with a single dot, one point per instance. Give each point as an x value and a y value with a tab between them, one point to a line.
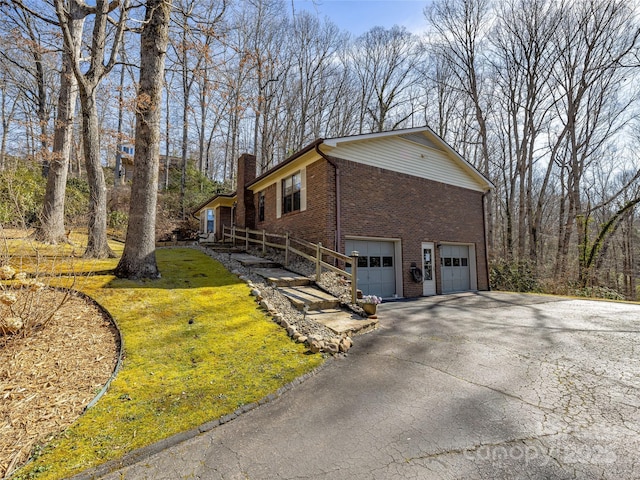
270	70
313	46
31	54
524	55
89	78
52	227
386	61
596	39
461	28
8	105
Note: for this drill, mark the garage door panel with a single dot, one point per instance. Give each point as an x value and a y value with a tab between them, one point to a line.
375	276
454	265
376	266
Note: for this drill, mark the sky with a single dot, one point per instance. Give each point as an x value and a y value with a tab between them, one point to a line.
358	16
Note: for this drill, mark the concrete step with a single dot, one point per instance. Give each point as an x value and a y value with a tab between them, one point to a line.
341	321
282	278
252	261
313	298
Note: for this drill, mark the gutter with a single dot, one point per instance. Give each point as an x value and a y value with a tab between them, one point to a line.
338	195
285	162
484	231
204	204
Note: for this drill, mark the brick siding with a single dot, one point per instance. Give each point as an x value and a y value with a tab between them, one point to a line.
246	207
223	218
384	204
317	222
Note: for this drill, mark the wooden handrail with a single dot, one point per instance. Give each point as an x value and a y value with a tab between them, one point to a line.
319	252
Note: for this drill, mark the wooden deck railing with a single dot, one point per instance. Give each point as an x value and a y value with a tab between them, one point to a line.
313	252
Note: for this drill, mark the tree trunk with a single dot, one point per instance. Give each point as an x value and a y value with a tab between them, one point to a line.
97	245
52	229
629	258
6	121
167	141
138	259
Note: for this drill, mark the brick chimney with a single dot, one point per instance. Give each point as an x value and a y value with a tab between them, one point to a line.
245	209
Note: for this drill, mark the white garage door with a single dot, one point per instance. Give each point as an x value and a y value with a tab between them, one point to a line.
454	265
376	266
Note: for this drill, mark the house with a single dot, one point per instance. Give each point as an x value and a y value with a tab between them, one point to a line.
125	166
411	206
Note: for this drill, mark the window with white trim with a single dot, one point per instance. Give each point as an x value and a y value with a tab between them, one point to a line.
261	207
291	193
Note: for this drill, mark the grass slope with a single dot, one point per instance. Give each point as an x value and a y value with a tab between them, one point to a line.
196	348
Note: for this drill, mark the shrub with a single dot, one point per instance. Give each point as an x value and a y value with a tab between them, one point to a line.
597	292
26	304
514	276
118	220
76	204
21	192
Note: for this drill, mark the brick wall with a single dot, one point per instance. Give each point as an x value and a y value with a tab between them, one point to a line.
317	222
381	203
385	204
223	218
246	208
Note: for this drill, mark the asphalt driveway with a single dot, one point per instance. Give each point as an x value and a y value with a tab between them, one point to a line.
473	386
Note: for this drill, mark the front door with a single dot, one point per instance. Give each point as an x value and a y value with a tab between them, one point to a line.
428	277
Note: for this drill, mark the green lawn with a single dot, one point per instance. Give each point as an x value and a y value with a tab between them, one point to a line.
176	375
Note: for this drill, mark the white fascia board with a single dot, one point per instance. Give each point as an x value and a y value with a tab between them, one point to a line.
334	142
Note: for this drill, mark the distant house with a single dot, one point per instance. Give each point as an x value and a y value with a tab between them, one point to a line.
125	166
405	200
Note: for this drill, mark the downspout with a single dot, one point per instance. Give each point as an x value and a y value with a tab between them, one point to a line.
338	209
484	234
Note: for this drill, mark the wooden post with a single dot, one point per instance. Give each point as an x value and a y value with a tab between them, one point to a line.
264	242
286	250
354	276
246	239
318	261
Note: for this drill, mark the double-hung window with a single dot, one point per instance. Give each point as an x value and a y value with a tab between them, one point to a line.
291	191
261	207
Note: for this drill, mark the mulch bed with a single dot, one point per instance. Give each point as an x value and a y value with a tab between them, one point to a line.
48	377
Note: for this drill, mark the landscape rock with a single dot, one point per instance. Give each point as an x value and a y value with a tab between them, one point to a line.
332	347
264	304
314	347
345	344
